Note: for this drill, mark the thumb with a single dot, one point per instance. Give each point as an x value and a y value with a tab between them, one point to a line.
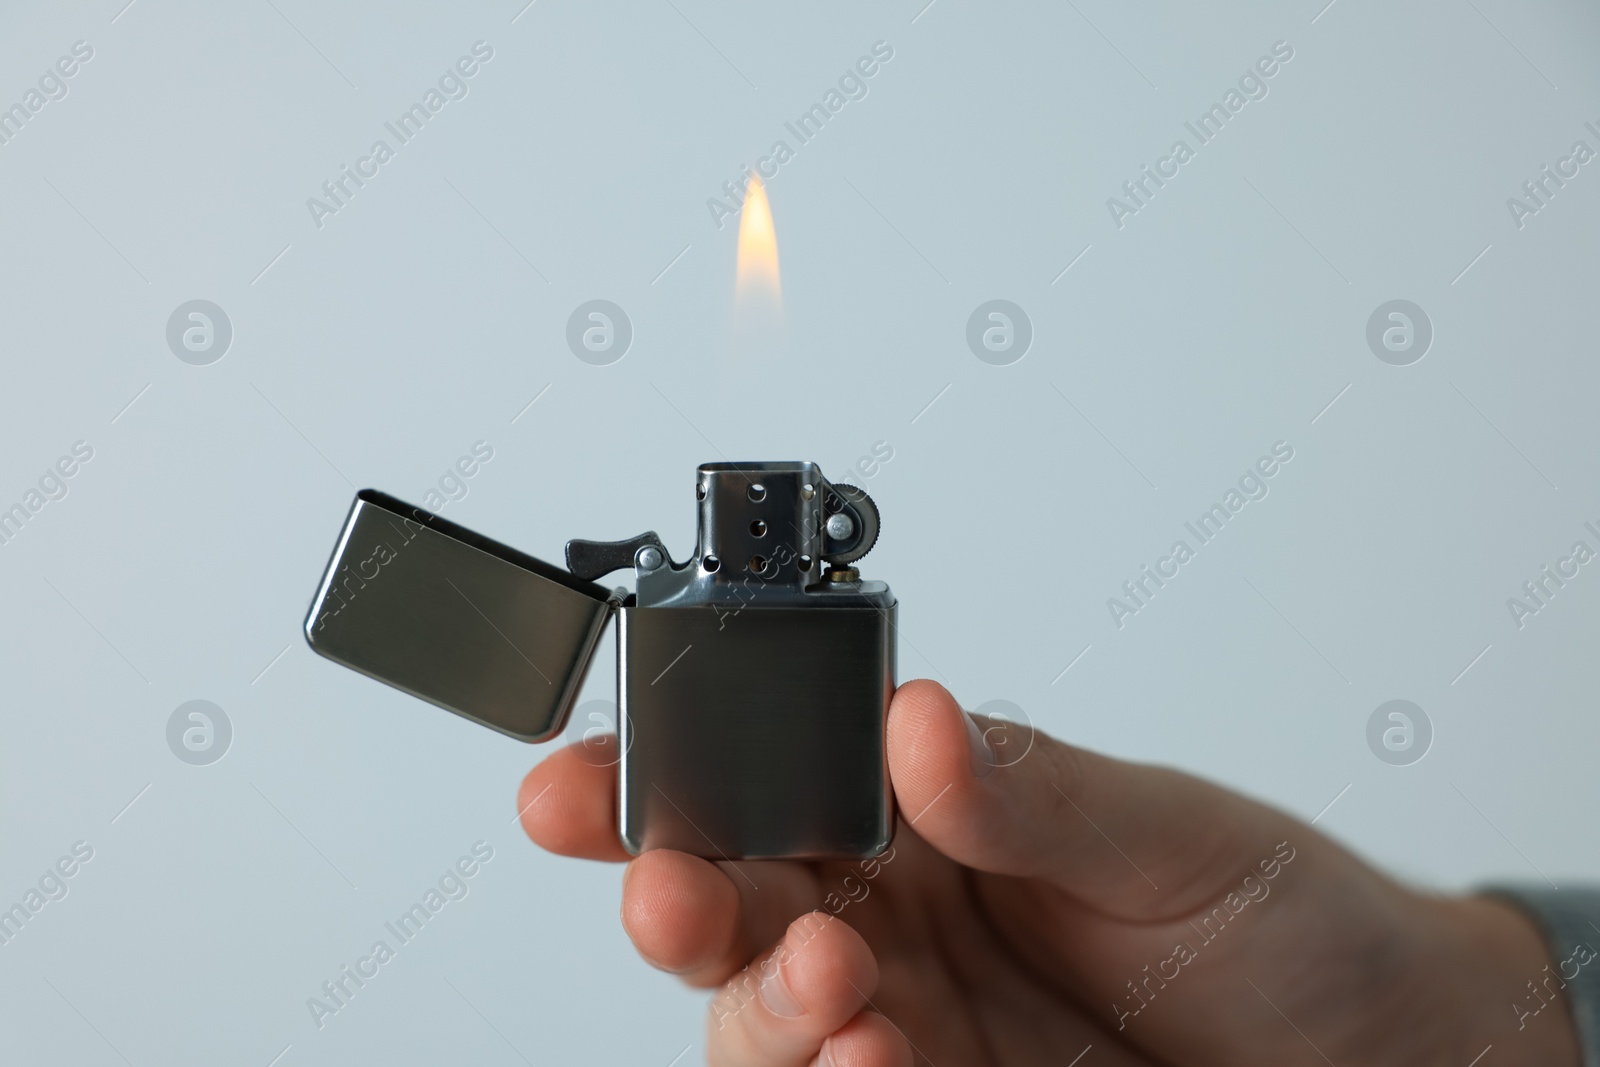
1135	842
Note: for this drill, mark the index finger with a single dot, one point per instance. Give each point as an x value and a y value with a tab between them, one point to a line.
568	803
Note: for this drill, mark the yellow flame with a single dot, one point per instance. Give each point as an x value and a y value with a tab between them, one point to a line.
758	246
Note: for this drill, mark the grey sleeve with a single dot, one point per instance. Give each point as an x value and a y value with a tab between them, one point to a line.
1570	922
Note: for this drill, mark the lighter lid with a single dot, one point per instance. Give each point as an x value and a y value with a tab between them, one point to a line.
455	618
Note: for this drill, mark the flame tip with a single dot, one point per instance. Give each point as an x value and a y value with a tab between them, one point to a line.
758	243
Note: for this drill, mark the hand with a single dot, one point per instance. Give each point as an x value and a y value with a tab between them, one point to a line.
1066	902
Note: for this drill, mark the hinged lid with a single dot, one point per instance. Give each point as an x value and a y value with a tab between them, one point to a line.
457	619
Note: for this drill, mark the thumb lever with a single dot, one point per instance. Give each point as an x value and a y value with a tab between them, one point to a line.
592	560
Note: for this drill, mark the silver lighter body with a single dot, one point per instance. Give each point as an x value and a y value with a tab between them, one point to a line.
753	679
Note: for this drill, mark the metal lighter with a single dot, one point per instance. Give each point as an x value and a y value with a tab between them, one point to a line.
753	680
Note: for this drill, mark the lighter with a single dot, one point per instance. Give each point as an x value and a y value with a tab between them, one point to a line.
753	680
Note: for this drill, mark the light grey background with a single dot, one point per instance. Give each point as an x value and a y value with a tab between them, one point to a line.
426	314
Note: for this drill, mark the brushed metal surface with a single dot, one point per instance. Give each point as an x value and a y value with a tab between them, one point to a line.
756	734
455	618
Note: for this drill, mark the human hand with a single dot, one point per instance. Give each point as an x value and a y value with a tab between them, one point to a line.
1068	909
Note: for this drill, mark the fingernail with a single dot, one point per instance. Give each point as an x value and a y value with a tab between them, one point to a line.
775	991
824	1056
983	758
